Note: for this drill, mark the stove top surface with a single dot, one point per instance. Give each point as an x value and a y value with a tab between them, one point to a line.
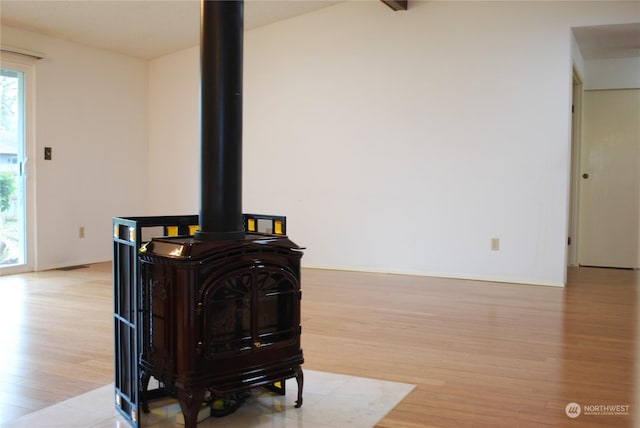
189	248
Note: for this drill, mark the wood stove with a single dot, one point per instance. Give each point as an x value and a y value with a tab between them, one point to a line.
220	316
218	312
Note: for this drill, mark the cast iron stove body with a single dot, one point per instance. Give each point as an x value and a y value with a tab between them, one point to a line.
220	316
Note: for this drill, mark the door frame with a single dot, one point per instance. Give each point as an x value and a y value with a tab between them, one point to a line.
27	65
574	191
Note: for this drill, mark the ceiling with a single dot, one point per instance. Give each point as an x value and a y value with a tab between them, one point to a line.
152	28
140	28
608	41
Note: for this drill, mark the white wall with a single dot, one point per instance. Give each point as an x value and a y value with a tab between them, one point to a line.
91	109
405	141
174	171
414	138
576	55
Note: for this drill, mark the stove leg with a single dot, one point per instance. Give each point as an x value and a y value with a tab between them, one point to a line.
191	403
300	381
145	376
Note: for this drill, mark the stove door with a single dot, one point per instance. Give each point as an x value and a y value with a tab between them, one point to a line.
250	309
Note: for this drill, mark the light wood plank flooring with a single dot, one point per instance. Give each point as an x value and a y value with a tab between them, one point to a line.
481	354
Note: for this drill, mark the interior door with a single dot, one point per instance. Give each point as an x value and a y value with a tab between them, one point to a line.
610	184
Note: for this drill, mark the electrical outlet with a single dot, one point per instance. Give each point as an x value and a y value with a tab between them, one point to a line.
81	232
495	244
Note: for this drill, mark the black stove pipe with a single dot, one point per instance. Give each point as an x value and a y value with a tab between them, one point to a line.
221	50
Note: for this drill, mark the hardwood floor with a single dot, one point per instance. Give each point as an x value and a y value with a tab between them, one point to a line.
480	353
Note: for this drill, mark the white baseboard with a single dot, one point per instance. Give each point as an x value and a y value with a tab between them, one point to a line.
69	264
483	278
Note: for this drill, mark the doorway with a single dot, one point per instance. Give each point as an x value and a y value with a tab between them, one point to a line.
16	188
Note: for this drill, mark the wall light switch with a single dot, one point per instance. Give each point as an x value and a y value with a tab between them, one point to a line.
47	153
495	244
